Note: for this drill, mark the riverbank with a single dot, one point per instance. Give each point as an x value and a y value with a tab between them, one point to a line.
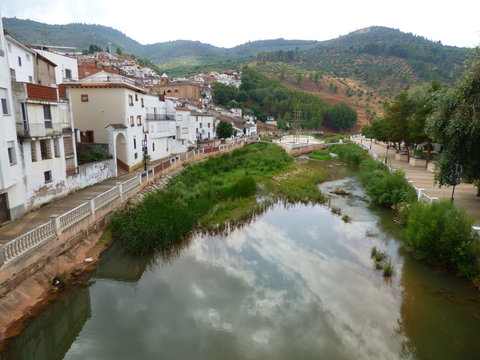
220	191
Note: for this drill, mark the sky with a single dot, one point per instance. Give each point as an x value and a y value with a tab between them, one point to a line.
227	23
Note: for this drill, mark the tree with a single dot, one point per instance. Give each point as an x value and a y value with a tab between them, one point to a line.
118	51
455	123
396	119
224	130
299	79
341	117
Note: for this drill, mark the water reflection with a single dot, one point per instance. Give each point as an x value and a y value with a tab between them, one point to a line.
297	282
50	334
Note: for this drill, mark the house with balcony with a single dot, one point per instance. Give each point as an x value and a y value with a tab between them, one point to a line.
161	125
184	135
203	126
109	109
21	60
45	133
12	194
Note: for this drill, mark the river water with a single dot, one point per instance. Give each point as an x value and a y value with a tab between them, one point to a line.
295	283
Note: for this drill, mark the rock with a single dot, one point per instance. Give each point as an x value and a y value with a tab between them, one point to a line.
340	191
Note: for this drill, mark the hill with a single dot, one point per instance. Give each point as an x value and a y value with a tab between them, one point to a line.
179	52
384	58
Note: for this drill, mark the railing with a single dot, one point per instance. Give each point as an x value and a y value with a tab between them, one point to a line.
73	216
106	198
25	242
16	247
38	130
160	117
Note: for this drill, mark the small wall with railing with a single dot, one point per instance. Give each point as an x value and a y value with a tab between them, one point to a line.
26	253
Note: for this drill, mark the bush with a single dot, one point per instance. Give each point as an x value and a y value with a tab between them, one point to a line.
244	187
439	232
350	153
388	189
320	155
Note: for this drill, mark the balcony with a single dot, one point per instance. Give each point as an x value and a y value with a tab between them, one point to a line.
27	130
160	117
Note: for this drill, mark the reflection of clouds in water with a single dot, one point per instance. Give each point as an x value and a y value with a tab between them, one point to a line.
282	287
351	297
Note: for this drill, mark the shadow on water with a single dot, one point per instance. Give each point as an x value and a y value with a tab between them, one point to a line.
294	282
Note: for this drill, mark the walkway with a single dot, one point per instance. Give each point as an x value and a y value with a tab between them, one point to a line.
465	194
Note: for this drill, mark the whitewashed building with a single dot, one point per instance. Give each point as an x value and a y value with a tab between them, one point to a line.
12	195
66	69
21	61
161	127
110	109
202	126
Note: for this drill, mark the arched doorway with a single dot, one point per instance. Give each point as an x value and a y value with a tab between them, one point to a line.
121	151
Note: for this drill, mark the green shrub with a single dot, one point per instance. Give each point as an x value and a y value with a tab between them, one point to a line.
244	187
320	155
388	189
439	232
350	153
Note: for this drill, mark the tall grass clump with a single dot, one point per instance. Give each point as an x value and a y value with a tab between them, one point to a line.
320	155
441	233
350	153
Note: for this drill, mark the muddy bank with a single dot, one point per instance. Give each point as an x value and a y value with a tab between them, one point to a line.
35	293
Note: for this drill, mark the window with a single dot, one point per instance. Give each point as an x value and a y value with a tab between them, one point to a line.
153	146
209	125
56	147
142	102
200	125
4	106
11	153
13	75
136	156
136	97
68	73
139	120
48	176
84	97
33	151
130	100
19	61
47	115
134	143
132	121
30	79
45	150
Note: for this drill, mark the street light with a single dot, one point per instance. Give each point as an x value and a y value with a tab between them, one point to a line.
145	153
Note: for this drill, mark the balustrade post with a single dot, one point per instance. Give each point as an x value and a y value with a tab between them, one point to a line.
420	194
91	203
139	179
120	190
56	223
2	258
434	199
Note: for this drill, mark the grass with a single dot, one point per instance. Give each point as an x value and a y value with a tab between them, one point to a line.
388	269
320	155
107	236
336	210
213	193
346	218
351	153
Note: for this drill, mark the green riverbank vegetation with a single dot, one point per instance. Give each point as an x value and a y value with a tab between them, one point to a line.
320	155
437	233
206	195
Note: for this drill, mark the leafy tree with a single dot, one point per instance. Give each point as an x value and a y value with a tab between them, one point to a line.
455	124
118	51
341	117
299	79
224	130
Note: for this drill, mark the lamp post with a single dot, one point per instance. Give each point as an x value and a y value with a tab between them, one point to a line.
145	153
455	177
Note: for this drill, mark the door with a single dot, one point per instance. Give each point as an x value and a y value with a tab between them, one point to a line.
4	213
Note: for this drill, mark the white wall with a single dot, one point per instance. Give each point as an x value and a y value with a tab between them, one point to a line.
25	71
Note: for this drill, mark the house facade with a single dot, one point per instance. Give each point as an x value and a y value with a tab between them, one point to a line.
12	197
110	109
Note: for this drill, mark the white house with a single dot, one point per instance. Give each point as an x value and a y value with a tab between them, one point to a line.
184	134
67	67
110	109
21	61
161	127
12	197
202	126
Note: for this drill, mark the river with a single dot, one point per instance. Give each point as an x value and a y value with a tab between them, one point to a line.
297	282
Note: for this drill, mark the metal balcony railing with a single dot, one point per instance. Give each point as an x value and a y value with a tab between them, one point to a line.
160	117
